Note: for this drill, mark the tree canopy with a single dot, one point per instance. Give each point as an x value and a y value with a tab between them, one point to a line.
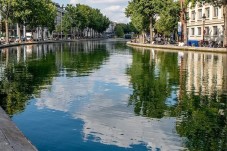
35	13
147	14
82	17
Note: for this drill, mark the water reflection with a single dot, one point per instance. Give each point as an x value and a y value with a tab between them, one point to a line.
195	83
101	95
28	69
153	76
202	102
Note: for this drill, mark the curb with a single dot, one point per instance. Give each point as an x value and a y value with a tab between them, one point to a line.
43	42
179	48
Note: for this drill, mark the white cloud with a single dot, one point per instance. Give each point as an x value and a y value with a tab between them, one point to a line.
114	9
97	1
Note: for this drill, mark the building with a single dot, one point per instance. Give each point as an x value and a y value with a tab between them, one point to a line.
110	30
204	22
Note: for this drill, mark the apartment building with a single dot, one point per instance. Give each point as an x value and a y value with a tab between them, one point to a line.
206	22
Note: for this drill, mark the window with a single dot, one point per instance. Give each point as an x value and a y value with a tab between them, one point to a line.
199	30
200	14
206	30
207	12
215	30
192	31
193	15
215	11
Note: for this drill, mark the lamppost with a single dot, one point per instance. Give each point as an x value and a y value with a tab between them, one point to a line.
204	18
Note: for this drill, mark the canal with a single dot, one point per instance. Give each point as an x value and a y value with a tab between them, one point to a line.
105	96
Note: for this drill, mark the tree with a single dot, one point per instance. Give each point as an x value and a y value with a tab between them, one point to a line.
132	28
6	8
84	17
20	12
43	14
122	29
216	3
119	31
168	18
146	8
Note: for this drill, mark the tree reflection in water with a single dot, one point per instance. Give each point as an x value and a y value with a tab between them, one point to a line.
201	118
152	82
28	71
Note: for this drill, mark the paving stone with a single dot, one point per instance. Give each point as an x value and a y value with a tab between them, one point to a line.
11	138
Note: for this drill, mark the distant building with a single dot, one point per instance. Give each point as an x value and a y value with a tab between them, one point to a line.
110	30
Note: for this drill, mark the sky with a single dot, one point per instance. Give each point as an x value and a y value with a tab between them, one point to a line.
113	9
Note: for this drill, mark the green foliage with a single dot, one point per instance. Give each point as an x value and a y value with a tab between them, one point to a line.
35	13
83	16
168	18
119	31
127	28
144	12
21	11
43	14
6	9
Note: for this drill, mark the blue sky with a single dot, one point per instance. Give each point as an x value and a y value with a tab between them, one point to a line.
114	9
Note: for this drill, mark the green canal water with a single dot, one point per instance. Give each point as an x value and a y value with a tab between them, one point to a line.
105	96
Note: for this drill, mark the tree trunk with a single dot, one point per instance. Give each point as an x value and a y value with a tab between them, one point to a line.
42	33
7	31
143	38
151	30
185	33
87	32
225	24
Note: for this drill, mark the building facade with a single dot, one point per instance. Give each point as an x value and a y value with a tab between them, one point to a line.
205	22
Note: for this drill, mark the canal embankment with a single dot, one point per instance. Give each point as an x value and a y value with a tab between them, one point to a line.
43	42
11	138
179	48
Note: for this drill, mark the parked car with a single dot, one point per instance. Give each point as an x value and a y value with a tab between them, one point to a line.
28	36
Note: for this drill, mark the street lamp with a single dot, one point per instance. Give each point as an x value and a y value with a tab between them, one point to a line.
204	18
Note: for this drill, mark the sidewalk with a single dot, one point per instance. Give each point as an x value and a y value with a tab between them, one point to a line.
11	138
179	48
47	41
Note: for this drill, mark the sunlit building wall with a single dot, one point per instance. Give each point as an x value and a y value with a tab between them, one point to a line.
205	19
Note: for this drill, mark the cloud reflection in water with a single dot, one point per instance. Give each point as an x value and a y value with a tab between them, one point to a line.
100	100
